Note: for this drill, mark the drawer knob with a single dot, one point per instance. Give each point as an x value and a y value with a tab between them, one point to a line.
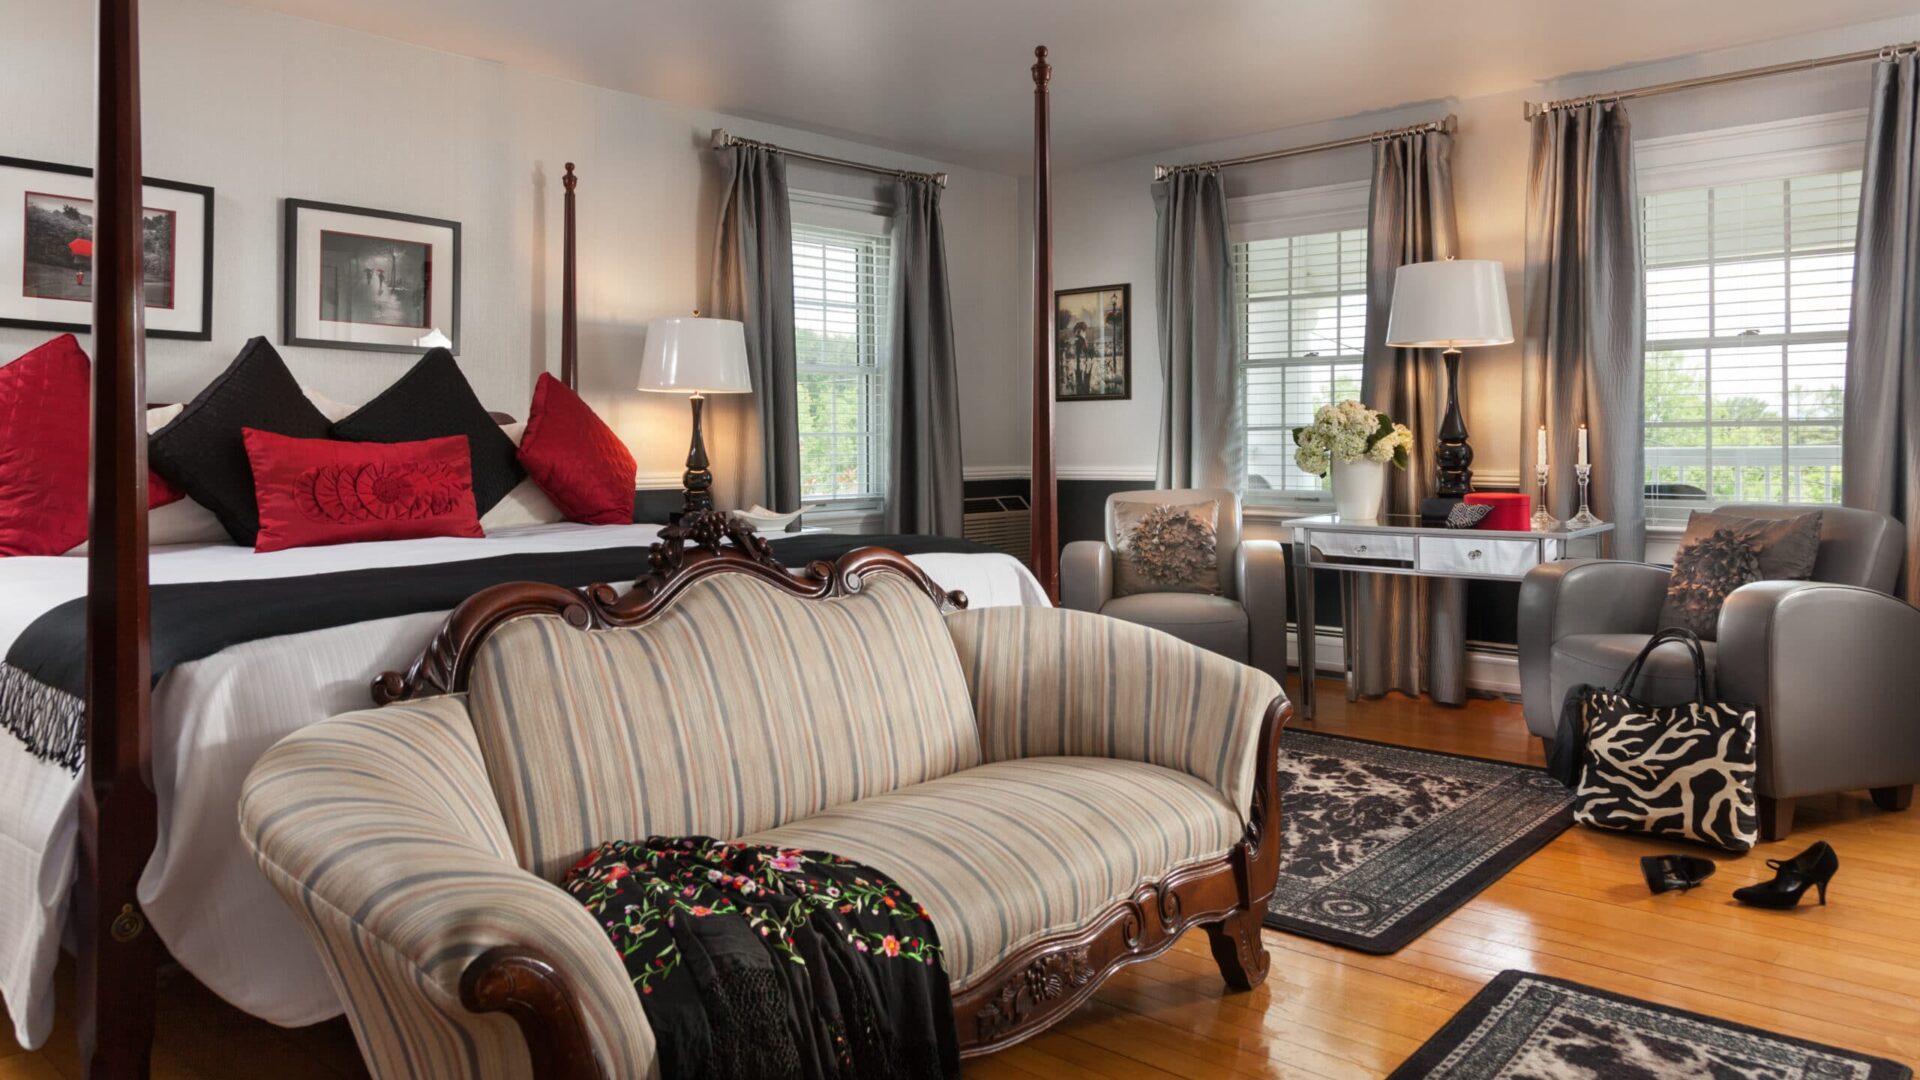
1474	554
1360	547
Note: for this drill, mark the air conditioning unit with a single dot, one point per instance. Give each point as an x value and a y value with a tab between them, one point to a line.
1002	522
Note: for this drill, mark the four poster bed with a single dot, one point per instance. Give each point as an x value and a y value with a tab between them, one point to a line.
147	761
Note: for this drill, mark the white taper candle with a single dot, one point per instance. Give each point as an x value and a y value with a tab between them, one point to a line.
1583	445
1540	449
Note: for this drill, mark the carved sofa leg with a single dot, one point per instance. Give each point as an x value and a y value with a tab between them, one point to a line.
1238	950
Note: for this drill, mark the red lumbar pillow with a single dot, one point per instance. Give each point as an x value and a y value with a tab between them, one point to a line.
322	491
576	458
43	451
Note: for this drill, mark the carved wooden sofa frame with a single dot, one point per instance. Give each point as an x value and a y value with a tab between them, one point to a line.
1029	990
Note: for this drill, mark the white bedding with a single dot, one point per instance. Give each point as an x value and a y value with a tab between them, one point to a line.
212	719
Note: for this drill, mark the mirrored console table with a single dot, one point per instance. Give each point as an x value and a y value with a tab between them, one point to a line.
1400	544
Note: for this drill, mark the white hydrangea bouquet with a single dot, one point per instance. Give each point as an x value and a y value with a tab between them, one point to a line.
1350	432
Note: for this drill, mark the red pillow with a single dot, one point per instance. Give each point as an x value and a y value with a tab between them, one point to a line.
322	491
576	458
43	451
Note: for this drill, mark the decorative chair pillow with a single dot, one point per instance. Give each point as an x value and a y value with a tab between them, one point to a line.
323	491
203	452
1721	552
576	458
431	401
44	398
1165	548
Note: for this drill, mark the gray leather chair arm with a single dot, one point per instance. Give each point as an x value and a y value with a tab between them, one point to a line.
1086	575
1260	577
1578	596
1831	668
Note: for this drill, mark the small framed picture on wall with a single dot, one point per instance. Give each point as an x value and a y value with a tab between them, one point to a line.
1093	343
46	251
371	280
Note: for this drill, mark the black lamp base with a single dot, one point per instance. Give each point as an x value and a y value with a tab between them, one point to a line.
697	482
1453	456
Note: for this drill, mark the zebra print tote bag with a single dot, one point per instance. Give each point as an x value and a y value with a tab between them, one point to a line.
1682	771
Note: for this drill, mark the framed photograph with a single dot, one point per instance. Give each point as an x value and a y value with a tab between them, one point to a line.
370	280
46	251
1093	343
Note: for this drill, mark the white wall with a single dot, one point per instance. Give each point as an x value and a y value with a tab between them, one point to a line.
1104	222
264	107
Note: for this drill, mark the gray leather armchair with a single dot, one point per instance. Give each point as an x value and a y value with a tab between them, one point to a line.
1831	662
1246	622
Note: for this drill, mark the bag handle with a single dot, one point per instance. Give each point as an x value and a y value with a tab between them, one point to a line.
1701	691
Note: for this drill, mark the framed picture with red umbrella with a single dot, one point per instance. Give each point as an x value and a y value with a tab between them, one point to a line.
46	251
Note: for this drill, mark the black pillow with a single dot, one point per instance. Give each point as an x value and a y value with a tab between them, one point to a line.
434	401
201	451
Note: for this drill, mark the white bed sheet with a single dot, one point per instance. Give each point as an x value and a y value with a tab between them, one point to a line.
212	720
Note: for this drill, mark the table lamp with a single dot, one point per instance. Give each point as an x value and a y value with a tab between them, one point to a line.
1451	305
696	356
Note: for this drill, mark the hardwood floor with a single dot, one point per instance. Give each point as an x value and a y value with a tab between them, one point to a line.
1847	974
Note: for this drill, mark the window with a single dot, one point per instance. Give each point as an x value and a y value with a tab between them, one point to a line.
1749	282
1300	305
842	281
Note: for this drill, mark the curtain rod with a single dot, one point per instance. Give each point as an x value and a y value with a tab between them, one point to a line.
1531	109
723	139
1161	172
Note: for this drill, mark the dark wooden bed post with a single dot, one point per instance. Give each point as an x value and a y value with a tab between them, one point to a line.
1044	484
569	330
118	952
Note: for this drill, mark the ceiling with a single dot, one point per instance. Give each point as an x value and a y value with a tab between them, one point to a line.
947	78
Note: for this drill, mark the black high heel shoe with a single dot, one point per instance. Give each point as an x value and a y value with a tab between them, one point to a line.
1665	873
1812	868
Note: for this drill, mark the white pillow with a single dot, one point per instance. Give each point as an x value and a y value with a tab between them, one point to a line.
526	504
329	408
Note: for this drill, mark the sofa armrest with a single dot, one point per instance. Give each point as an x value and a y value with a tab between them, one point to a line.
381	831
1260	578
1047	681
1086	575
1831	669
1579	596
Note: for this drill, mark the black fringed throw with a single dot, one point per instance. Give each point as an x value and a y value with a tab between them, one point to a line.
757	962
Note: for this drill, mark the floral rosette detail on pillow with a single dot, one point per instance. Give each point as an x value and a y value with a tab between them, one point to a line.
1350	432
378	492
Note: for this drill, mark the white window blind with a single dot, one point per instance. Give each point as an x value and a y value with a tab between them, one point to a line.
842	282
1301	309
1748	287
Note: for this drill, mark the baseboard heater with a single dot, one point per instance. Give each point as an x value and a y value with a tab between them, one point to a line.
1002	522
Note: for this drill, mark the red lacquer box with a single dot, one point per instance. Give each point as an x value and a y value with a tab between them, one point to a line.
1511	510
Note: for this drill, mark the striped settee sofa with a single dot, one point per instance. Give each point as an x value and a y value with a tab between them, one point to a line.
1063	792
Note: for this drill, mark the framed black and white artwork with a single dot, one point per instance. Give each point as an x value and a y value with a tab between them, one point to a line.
46	251
1093	348
371	280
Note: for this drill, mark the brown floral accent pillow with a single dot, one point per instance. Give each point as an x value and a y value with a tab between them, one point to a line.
1721	552
1165	548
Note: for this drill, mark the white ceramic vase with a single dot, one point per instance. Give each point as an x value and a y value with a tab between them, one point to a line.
1358	489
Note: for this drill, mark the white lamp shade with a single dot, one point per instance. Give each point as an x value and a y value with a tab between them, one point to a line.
696	356
1450	305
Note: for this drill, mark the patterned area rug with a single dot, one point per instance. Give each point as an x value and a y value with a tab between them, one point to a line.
1526	1025
1383	841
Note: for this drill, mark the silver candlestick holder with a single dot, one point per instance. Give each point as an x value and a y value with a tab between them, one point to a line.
1542	520
1585	519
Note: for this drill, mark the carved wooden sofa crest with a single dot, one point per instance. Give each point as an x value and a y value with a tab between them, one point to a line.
1064	793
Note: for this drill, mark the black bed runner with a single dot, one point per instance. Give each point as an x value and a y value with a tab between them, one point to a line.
44	676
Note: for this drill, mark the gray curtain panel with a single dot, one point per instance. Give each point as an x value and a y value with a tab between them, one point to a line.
1583	316
753	282
1202	432
923	444
1881	451
1407	633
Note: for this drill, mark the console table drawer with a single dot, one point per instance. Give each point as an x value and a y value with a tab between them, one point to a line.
1467	555
1385	547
